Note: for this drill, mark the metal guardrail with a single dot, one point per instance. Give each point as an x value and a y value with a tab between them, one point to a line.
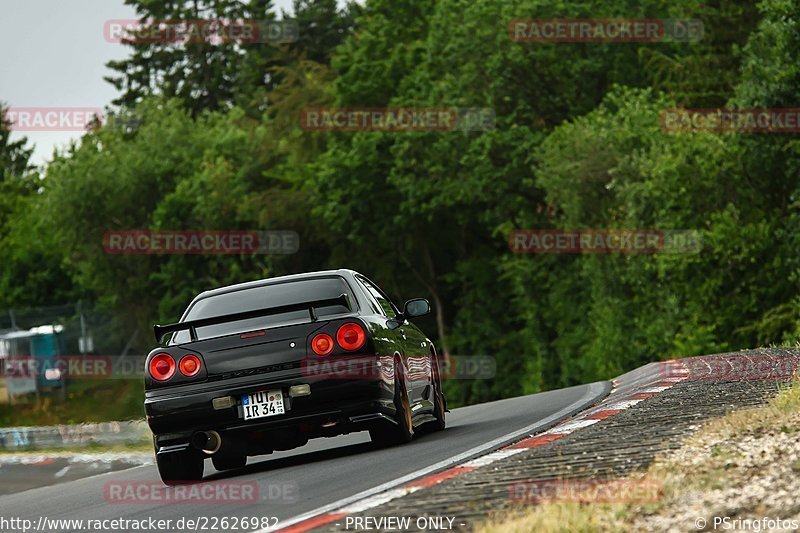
64	436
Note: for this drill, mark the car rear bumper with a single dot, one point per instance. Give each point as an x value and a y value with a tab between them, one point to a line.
334	406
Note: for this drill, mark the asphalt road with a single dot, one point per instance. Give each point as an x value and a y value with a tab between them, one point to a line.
17	476
287	484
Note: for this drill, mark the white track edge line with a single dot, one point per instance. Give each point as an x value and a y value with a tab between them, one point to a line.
592	390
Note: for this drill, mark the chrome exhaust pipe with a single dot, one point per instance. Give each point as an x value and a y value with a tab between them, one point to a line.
208	441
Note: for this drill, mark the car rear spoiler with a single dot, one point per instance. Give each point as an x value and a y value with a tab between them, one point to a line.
192	325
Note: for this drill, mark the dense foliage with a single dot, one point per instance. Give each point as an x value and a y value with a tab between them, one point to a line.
208	136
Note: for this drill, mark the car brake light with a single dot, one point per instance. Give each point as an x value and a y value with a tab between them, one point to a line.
322	344
351	337
190	365
162	367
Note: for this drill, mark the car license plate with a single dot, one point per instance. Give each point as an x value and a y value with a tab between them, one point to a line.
262	403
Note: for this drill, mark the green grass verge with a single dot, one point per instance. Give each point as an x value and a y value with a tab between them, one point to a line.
678	476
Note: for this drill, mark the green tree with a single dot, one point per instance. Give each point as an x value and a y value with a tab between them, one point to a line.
30	270
204	73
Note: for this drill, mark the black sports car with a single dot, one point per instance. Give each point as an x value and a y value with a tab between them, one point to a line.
266	365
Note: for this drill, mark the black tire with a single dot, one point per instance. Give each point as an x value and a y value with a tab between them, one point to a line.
178	468
231	455
403	431
228	461
439	403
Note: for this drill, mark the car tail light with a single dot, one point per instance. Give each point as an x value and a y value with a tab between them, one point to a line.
190	365
162	367
322	344
351	337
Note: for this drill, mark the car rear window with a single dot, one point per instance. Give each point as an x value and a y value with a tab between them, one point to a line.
273	295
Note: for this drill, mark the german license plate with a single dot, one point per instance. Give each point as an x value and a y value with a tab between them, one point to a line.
262	403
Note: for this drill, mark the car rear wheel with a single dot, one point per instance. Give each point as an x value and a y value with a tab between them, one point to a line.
231	455
403	430
228	461
439	405
177	468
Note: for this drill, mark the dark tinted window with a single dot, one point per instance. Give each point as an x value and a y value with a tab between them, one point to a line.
263	297
381	298
373	303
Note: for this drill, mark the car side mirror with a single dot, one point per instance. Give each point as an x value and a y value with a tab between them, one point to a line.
416	307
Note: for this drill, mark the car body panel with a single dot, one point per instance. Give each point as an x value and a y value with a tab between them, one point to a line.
349	391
